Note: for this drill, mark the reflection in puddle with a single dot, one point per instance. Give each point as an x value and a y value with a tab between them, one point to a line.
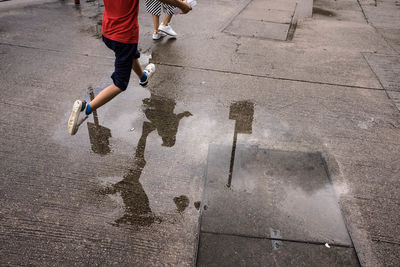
323	12
160	112
137	206
181	203
98	134
242	112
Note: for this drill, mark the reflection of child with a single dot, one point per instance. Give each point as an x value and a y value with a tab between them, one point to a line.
121	34
160	112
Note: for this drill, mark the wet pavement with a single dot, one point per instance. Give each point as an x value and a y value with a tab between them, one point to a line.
242	150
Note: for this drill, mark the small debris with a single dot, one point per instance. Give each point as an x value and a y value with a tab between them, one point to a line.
327	245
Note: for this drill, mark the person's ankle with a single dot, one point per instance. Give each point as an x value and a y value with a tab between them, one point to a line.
88	109
144	77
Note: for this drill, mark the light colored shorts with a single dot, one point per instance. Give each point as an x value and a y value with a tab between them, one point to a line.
154	7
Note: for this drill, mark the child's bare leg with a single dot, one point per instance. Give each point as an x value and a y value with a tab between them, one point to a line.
104	96
137	68
167	20
156	23
145	74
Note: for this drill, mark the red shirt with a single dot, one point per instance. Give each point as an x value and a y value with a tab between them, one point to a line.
120	21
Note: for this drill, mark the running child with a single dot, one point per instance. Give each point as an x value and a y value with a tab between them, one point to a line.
120	31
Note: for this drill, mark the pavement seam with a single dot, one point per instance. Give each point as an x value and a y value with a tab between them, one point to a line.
208	69
267	77
55	50
362	10
235	16
202	206
377	239
379	80
346	222
277	239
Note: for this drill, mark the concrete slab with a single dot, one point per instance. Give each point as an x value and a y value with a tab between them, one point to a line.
263	19
225	250
392	36
261	29
329	58
386	14
265	13
388	254
386	68
395	96
382	228
284	190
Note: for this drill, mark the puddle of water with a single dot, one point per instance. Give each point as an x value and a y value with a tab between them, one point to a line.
197	205
285	190
137	206
181	202
159	111
242	113
323	12
98	135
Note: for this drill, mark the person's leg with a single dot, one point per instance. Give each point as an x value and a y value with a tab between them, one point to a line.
156	23
145	74
125	54
164	26
104	96
167	19
154	8
137	68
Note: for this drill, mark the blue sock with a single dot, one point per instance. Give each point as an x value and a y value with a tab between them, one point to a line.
143	78
88	110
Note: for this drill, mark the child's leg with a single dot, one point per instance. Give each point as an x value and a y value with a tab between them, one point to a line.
104	96
156	23
145	74
164	26
167	19
137	68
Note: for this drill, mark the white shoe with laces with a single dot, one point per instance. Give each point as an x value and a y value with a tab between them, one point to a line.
77	117
158	35
149	70
167	29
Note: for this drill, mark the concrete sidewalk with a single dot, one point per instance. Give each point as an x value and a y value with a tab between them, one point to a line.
249	147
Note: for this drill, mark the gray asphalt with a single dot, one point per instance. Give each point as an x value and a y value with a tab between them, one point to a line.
264	138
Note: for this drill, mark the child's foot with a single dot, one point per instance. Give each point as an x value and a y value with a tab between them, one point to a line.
78	110
148	72
158	35
167	29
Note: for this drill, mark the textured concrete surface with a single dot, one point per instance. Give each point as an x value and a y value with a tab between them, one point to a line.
220	250
128	188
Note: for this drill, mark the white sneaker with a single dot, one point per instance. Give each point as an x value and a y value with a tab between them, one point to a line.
167	29
158	35
149	70
78	110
